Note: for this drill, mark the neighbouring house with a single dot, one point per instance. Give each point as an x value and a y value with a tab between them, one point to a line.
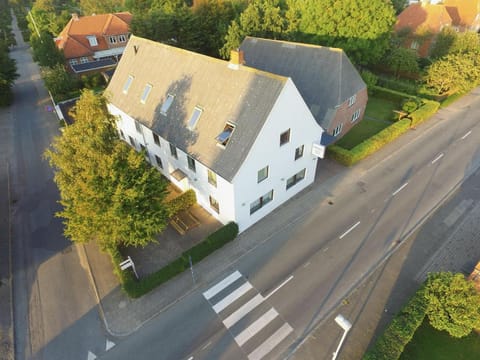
244	139
420	22
94	43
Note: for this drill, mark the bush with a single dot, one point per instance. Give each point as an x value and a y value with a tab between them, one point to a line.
424	112
135	288
410	105
398	334
391	95
370	79
405	86
182	202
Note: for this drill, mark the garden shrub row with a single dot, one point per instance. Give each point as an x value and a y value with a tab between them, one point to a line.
409	87
424	112
183	202
136	288
390	345
389	94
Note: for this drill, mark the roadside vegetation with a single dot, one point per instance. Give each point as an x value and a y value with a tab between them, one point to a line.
8	69
448	302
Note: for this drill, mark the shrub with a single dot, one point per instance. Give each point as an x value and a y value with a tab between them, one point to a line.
410	105
424	112
405	86
370	79
135	288
391	343
182	202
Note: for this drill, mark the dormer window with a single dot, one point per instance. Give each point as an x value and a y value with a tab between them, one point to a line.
145	93
225	135
92	40
127	84
197	112
122	38
166	105
112	39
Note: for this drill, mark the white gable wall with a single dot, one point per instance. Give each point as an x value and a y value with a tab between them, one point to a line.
289	112
196	180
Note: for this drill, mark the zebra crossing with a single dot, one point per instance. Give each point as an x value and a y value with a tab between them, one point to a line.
255	325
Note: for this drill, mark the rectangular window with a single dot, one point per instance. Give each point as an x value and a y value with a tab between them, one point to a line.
299	152
84	60
142	147
338	129
138	127
194	118
158	161
262	174
156	139
295	179
356	115
225	135
122	38
112	39
191	163
132	142
285	137
73	61
127	84
173	151
214	205
414	45
166	105
261	202
122	135
92	39
145	93
212	178
352	100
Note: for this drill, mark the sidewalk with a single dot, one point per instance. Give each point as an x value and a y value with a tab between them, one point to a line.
385	289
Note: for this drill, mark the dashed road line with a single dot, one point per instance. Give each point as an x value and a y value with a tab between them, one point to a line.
466	135
437	158
349	230
279	286
399	189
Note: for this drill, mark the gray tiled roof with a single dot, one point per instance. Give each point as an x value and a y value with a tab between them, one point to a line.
242	97
324	76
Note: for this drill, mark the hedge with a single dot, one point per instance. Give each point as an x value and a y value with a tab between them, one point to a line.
136	288
389	94
390	345
424	112
182	202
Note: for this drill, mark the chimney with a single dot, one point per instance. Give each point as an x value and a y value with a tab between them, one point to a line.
236	59
75	17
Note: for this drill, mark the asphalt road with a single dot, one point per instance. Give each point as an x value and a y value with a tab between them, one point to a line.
55	311
305	269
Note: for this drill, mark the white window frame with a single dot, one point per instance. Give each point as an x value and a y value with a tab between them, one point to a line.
112	39
261	202
84	60
92	40
146	92
122	38
338	129
73	61
166	104
262	174
299	152
195	117
356	115
295	179
214	204
212	178
127	84
414	45
352	100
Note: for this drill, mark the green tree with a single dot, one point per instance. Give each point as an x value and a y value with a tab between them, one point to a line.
361	28
453	73
401	60
58	81
453	303
451	42
109	193
45	52
90	7
8	74
262	18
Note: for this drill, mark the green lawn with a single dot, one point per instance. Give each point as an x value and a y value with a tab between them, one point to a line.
381	109
430	344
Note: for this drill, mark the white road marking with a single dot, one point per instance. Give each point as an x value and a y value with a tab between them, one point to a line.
437	158
308	263
91	356
214	290
230	298
256	326
279	287
206	345
190	358
399	189
465	136
109	344
243	310
270	343
348	231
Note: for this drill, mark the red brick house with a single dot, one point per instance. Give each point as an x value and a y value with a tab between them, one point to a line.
94	43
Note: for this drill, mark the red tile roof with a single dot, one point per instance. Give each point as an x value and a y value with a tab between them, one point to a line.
422	17
73	38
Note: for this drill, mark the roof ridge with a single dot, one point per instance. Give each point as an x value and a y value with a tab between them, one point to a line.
297	43
107	23
79	42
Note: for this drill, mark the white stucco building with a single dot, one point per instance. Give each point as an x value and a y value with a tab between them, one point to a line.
243	139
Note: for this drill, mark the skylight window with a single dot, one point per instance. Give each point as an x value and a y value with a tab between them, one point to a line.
127	84
225	135
166	105
145	93
194	118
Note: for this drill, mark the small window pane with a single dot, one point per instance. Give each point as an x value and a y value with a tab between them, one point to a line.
138	127
158	161
262	174
285	137
194	118
173	151
295	179
261	202
127	84
225	135
212	178
132	142
145	93
299	152
214	204
191	163
156	139
338	129
166	105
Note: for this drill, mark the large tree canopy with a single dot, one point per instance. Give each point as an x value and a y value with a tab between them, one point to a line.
362	28
453	303
108	191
